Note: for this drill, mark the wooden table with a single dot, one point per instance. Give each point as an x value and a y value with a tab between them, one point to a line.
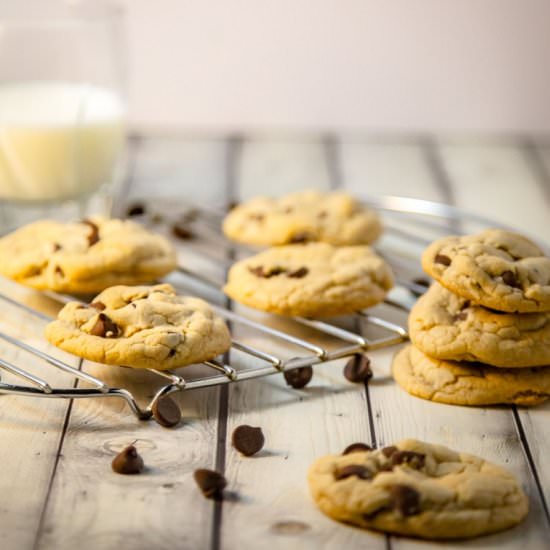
57	490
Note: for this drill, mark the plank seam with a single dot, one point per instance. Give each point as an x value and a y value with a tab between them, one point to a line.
530	461
333	160
234	148
40	528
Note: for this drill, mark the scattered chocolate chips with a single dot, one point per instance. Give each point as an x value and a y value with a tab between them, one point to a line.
136	209
442	259
301	237
298	378
128	461
353	470
100	306
210	482
298	273
388	451
410	458
166	412
182	232
93	237
247	439
405	499
509	278
356	448
357	369
104	327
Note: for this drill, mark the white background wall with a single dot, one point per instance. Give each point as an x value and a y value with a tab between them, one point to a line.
350	64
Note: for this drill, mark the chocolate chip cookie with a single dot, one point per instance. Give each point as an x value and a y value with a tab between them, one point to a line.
446	326
418	489
461	383
311	280
84	257
146	327
497	269
335	218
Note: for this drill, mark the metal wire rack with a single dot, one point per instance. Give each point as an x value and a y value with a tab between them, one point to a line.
410	224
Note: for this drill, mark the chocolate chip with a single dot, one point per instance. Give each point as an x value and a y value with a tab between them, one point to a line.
405	499
411	458
356	448
93	237
299	273
301	237
247	439
353	470
104	327
100	306
509	278
462	316
172	352
210	482
357	369
182	232
266	273
136	209
442	259
166	412
298	378
56	247
59	271
388	451
128	461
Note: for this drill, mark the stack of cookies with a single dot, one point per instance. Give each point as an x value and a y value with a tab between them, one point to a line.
481	333
319	264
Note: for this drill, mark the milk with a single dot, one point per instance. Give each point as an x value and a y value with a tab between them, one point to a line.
57	140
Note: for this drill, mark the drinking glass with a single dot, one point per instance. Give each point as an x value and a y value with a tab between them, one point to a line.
62	109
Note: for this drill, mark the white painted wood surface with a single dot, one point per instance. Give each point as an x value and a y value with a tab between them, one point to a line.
67	496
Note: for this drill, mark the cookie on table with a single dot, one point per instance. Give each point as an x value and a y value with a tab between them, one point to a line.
148	327
461	383
336	218
84	257
418	489
495	268
446	326
311	280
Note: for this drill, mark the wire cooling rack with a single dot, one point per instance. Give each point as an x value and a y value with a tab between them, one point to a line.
410	224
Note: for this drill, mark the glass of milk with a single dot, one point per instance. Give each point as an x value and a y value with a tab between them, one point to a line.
62	113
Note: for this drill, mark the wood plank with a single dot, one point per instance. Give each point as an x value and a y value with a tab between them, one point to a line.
505	170
389	168
276	166
162	508
31	428
275	510
496	181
